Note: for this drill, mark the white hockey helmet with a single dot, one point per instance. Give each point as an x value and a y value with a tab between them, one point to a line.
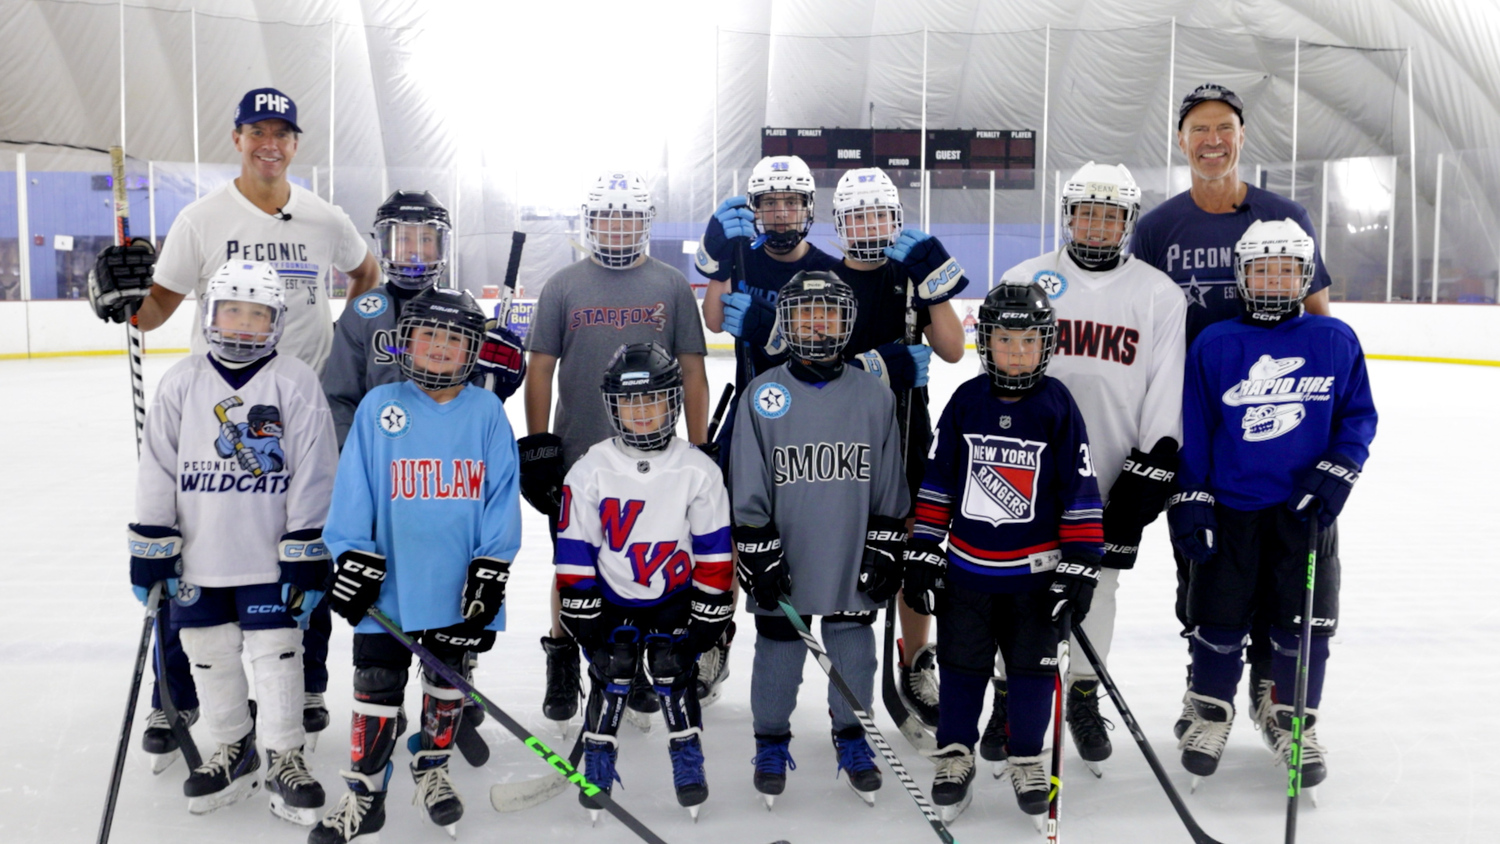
1276	258
782	174
1096	235
617	218
243	311
866	214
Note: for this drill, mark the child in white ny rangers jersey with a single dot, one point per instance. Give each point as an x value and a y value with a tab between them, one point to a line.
643	566
1120	350
235	510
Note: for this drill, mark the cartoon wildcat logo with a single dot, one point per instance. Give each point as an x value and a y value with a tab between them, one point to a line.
254	443
1000	485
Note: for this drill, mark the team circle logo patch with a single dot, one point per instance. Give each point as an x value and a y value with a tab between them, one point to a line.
187	594
772	400
1052	282
393	419
370	305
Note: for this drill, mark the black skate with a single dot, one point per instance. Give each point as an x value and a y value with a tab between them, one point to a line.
919	685
772	759
158	740
435	794
1262	698
1185	720
687	769
295	795
858	761
314	719
1028	777
642	701
1204	741
713	669
1314	764
950	787
599	755
563	688
225	778
992	743
360	814
1087	726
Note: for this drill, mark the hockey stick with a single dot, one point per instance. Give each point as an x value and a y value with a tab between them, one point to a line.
1054	803
512	272
1196	831
574	776
175	721
132	333
718	418
122	746
1304	659
866	721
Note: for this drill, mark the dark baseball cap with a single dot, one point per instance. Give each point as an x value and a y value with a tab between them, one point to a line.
1210	92
266	104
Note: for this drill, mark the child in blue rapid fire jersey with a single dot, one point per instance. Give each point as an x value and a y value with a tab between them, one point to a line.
1277	423
1010	486
425	521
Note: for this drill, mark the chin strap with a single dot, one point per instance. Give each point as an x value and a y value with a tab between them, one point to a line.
1097	266
813	372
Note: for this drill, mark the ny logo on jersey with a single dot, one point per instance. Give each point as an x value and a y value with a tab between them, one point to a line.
646	558
1000	485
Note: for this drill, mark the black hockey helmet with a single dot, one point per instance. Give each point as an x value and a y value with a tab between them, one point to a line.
447	310
413	235
803	336
262	415
1021	309
643	390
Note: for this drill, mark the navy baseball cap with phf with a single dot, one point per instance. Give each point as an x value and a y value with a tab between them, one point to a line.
1210	93
266	104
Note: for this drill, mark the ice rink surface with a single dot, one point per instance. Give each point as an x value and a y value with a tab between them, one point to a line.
1408	712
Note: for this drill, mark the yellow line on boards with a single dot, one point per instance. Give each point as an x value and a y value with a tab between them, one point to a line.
91	353
1419	359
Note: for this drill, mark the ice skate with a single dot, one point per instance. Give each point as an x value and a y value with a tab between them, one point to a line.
992	742
951	791
687	769
1087	726
435	794
600	752
227	777
158	741
642	702
1261	717
314	718
1314	756
1028	777
772	759
858	761
295	795
1203	742
713	669
560	702
360	814
918	687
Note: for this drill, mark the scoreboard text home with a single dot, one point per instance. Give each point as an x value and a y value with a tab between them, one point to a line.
958	158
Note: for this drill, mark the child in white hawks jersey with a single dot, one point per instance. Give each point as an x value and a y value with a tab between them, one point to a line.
236	510
643	566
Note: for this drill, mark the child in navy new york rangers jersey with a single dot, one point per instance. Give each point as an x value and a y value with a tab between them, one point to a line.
424	525
235	510
1010	486
644	566
1277	424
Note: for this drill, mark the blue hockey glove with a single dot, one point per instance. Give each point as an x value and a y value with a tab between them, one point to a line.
899	366
762	565
1072	588
502	361
1191	522
155	556
734	218
305	566
926	567
356	584
935	276
747	316
1326	486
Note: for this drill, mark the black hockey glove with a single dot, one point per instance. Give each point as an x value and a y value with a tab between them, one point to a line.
880	570
1325	486
155	557
465	636
926	574
121	279
762	565
542	472
484	590
501	366
1136	499
1191	521
1073	589
709	616
355	584
582	615
304	572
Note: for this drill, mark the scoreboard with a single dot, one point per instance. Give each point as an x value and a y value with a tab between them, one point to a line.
1011	153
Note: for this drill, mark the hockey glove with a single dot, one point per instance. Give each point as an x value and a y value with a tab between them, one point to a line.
747	316
465	636
155	556
1136	499
355	584
582	615
880	570
1191	521
484	590
542	472
762	565
1073	588
935	276
899	366
926	570
709	616
121	279
502	362
304	572
733	219
1326	487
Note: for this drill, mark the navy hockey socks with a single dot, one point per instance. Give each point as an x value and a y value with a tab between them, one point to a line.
963	696
1029	705
1284	666
1218	660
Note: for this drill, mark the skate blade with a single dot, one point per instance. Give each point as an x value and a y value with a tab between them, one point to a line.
998	769
769	800
564	728
162	761
1197	781
452	830
1094	769
237	791
1041	822
310	743
1312	794
707	700
301	817
641	720
917	736
593	817
949	814
693	810
867	796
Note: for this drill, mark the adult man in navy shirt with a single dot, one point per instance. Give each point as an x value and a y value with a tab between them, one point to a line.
1191	238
